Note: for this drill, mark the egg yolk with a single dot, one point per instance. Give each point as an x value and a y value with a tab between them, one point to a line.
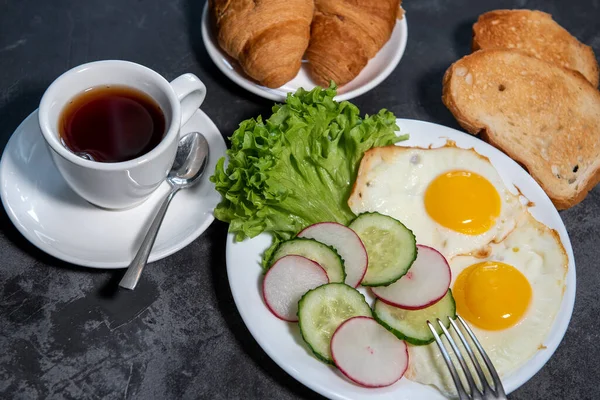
463	201
492	295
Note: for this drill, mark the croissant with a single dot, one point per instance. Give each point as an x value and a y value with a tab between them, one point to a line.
346	34
267	37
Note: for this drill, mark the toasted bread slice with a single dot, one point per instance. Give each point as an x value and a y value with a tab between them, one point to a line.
539	35
545	117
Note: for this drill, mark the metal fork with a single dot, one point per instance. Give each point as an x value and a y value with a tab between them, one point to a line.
474	393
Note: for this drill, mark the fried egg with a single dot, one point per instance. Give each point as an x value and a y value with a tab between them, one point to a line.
509	296
452	199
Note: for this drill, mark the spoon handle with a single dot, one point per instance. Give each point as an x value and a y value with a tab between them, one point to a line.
134	271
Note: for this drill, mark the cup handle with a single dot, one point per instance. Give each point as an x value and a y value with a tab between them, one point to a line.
191	93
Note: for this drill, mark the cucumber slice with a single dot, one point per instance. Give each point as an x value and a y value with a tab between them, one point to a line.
318	252
391	247
322	310
411	325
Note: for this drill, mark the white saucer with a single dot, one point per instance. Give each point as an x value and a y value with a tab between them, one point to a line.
59	222
378	68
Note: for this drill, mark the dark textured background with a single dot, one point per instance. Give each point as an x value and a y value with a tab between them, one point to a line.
66	332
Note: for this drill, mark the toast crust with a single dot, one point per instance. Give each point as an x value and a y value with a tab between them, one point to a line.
545	117
539	35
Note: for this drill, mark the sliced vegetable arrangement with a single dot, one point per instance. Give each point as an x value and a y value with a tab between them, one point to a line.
315	274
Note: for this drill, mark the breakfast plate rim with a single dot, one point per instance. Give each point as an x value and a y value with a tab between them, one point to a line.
220	59
155	255
249	314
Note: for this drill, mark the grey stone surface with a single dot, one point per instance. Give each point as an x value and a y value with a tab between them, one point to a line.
66	332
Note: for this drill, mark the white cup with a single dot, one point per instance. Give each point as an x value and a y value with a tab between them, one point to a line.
122	184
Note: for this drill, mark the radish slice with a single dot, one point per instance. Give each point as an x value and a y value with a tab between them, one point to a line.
425	283
348	245
287	281
368	354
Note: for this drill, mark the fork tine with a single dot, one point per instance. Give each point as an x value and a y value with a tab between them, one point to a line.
484	382
472	386
462	394
498	388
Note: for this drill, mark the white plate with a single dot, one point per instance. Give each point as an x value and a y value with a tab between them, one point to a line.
378	68
282	341
55	219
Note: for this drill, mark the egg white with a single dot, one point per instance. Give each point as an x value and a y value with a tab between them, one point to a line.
541	257
393	180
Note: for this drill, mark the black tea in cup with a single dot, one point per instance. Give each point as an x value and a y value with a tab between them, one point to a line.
112	124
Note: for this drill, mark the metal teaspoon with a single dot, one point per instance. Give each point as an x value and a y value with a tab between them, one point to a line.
190	162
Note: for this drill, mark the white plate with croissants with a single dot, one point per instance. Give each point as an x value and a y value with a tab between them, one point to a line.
272	48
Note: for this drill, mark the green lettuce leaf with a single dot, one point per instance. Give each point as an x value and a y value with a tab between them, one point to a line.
297	167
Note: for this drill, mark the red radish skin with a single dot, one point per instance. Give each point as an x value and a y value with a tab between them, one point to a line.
348	245
418	282
363	326
287	281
